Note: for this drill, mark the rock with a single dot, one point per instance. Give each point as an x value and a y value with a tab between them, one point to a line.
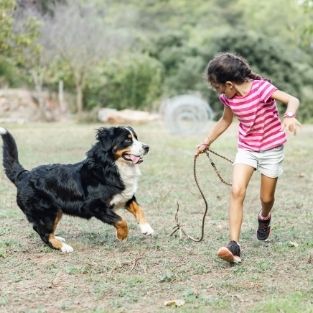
114	116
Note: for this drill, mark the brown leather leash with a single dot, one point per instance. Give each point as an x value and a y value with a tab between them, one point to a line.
178	226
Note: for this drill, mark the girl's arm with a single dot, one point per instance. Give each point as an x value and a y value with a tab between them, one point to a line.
222	124
290	122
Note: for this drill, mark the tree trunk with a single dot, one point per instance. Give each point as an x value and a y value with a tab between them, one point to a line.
79	93
79	99
38	81
62	103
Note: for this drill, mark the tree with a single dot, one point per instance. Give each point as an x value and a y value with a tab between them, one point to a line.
132	81
12	37
41	6
308	26
83	36
35	58
6	22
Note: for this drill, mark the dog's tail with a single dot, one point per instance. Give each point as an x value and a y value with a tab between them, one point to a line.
11	165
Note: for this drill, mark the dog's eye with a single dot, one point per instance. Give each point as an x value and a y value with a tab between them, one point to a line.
128	140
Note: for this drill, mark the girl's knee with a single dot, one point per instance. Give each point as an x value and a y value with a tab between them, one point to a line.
267	200
238	192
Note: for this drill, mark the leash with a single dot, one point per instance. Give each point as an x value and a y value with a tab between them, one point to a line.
178	226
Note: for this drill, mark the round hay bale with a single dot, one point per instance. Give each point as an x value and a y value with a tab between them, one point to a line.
186	114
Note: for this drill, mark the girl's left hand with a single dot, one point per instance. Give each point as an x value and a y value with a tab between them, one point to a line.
291	125
201	149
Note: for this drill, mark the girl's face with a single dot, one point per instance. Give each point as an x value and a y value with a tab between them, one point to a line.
228	89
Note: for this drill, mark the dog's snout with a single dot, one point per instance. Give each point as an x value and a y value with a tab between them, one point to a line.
145	148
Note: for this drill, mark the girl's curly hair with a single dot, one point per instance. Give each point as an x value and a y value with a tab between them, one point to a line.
227	66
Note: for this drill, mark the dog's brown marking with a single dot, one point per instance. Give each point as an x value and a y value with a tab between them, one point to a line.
121	230
57	220
137	211
119	153
55	243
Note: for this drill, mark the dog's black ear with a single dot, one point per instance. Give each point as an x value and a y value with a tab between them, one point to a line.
105	137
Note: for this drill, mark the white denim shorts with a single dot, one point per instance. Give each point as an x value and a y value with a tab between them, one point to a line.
268	163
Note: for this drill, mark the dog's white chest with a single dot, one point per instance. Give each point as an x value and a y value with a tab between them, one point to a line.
129	175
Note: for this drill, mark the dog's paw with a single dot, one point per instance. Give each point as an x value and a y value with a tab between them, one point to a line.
121	236
59	238
66	248
121	230
146	229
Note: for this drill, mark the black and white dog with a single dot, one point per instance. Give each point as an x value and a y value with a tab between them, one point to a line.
95	187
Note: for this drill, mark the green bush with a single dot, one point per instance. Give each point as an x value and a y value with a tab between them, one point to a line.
10	74
132	82
183	63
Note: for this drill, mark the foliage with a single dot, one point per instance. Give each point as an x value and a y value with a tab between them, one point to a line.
6	22
14	35
42	6
178	37
10	75
133	81
17	35
308	24
182	63
281	19
90	36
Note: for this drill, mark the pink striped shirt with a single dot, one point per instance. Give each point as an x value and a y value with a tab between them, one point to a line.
259	123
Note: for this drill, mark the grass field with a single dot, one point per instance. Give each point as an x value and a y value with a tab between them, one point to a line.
140	274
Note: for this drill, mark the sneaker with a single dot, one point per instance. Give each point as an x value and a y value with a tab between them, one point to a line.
264	228
230	253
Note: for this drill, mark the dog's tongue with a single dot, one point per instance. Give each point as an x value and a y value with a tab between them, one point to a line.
135	159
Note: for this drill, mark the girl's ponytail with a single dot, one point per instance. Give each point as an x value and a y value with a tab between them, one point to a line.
255	76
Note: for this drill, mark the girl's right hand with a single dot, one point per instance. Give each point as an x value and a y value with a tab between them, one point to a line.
291	125
201	148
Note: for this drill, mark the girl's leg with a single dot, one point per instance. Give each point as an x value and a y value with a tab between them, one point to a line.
267	192
241	176
268	186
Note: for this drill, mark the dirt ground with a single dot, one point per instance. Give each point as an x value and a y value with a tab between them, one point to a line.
142	273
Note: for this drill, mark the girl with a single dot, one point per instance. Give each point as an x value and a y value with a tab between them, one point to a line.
261	137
